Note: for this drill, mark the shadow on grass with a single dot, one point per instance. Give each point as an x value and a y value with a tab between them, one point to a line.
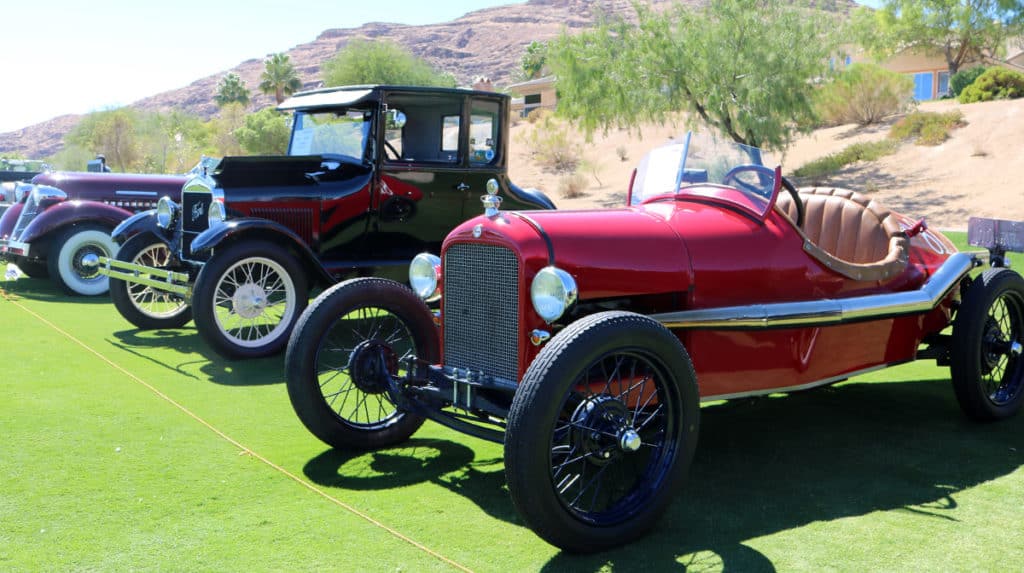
44	290
762	467
186	342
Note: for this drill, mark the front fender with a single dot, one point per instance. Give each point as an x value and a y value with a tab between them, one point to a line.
69	213
143	222
235	229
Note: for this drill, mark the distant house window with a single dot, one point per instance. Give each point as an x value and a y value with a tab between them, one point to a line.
831	64
848	60
943	84
923	86
532	99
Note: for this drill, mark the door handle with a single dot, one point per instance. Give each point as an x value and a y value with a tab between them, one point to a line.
462	187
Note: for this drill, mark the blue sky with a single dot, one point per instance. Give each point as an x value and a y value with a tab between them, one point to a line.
75	56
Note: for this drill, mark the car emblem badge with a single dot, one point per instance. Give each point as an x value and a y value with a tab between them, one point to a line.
197	211
477	231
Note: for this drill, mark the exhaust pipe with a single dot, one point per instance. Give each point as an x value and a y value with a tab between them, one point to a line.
831	311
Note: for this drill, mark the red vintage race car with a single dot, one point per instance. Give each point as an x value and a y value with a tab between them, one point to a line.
585	341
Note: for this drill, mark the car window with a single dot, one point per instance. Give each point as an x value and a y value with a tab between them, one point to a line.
450	134
483	131
333	133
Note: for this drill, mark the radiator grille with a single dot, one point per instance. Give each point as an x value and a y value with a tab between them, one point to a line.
298	220
481	309
195	207
28	212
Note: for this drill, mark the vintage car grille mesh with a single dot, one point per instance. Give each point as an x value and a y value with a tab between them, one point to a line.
28	212
195	206
481	309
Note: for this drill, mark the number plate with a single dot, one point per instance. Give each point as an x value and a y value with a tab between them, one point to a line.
996	234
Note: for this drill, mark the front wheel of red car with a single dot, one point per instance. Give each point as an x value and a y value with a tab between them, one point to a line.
345	345
986	365
602	431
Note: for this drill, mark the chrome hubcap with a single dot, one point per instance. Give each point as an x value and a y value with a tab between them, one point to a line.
249	301
629	440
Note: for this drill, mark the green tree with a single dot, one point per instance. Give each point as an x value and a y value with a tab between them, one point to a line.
962	31
231	89
377	62
279	77
265	132
222	130
534	60
743	67
112	133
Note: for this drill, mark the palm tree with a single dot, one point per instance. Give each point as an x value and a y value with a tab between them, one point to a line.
279	77
231	89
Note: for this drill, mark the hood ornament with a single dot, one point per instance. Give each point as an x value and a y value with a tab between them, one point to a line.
491	201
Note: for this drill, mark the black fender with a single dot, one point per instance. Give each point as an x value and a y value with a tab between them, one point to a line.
534	197
64	214
142	222
257	228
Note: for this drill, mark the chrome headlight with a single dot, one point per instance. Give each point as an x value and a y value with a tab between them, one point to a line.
424	272
44	194
166	210
553	292
22	190
217	214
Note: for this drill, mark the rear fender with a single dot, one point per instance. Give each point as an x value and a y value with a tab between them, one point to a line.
233	230
68	213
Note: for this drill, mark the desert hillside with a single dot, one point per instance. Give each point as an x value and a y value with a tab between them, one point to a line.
978	171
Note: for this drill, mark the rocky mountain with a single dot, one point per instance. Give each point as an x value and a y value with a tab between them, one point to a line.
488	42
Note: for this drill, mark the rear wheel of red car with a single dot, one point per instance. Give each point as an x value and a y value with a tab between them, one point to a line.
72	255
145	306
247	298
346	344
601	431
986	365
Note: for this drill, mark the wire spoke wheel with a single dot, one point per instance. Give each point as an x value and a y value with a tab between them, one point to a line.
254	300
152	302
1001	350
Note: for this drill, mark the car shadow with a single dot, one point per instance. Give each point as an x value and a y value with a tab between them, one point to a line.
187	342
762	466
44	290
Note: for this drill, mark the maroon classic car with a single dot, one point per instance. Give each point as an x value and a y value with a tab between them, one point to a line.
62	221
374	175
585	341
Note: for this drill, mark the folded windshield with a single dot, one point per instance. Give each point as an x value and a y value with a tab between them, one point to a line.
700	165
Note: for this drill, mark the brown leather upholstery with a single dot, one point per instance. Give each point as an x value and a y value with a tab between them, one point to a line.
850	233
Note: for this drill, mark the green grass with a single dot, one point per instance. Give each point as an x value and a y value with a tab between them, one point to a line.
100	473
833	162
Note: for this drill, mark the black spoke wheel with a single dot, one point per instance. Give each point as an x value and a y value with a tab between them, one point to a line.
144	306
601	431
986	366
346	346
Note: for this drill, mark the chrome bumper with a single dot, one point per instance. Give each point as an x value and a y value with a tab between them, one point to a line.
160	279
18	248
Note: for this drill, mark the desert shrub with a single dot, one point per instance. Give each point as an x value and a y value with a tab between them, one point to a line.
622	152
927	127
572	185
863	94
538	114
553	145
868	151
964	78
995	83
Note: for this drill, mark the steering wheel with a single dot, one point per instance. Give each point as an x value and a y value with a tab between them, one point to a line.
762	173
395	154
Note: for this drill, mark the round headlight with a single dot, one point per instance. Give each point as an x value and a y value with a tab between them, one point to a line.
424	272
22	190
553	291
217	213
165	212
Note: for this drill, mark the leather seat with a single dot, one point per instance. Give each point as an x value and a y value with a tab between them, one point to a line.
850	233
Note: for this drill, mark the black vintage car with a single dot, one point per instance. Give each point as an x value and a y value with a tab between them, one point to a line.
373	176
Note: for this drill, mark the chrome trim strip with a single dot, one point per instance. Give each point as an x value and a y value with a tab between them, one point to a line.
831	311
135	193
156	278
799	387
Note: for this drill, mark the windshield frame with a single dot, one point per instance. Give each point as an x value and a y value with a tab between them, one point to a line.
363	117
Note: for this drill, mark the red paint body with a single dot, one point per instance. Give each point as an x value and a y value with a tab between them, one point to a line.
685	252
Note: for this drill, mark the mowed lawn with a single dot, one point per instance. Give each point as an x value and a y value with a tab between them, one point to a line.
126	450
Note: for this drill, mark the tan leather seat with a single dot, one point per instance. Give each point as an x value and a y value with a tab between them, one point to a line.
850	233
